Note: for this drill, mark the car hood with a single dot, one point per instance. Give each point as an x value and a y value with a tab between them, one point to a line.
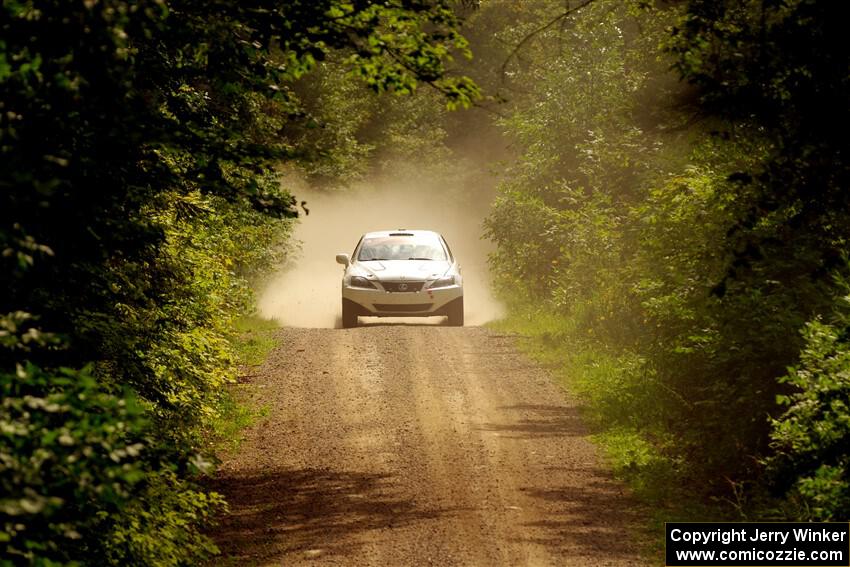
401	269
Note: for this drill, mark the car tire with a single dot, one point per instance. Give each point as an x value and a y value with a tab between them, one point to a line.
349	315
455	313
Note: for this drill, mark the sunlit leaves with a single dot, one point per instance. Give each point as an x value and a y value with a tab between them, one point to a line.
697	227
139	142
67	449
810	438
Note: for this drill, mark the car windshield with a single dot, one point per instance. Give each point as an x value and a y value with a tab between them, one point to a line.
401	248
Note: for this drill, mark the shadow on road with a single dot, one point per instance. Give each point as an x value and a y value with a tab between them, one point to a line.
585	515
537	421
587	523
278	512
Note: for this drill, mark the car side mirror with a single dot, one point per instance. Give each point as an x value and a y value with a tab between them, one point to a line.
343	259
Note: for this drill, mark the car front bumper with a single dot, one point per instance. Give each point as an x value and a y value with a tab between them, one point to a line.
378	303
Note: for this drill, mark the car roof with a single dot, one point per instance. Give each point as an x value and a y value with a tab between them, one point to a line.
400	232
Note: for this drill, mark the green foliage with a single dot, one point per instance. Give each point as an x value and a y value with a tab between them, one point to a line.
160	526
779	67
69	458
140	142
350	137
677	237
810	439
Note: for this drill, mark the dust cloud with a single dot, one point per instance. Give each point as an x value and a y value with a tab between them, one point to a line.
307	292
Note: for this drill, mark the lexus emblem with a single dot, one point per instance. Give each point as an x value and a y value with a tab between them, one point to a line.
402	286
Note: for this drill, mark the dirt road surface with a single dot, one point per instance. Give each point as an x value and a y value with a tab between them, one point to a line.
398	445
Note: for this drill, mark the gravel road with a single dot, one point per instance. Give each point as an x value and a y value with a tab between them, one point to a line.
399	445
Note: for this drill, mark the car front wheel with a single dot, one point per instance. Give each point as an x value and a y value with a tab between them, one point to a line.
349	315
455	313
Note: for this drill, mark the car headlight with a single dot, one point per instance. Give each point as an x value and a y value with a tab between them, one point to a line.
443	282
359	281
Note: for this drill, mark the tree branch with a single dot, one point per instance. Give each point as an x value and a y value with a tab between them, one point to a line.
560	17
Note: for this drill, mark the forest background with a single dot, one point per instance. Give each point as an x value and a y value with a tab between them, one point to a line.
671	228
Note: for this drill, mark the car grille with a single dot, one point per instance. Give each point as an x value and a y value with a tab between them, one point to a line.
402	287
410	308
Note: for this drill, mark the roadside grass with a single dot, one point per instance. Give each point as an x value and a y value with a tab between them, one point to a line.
252	342
253	339
621	405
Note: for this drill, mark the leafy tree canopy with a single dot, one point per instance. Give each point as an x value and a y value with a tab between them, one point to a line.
138	142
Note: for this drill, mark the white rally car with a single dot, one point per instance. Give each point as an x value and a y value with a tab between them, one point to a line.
401	273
